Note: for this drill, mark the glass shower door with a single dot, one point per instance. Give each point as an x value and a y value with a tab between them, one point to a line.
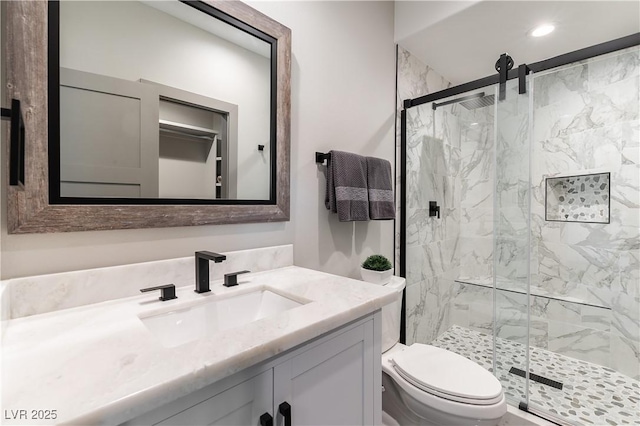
511	243
532	271
449	161
585	213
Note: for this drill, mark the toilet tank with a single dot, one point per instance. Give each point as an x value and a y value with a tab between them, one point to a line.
391	315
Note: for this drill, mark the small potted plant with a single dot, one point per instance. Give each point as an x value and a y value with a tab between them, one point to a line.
376	269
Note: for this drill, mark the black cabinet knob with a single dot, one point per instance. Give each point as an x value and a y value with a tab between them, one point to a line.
266	420
285	410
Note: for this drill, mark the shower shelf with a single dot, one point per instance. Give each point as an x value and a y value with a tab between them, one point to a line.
535	291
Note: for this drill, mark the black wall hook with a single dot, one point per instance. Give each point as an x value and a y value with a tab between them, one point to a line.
320	157
16	143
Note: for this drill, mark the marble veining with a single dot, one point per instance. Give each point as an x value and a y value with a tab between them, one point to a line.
449	160
47	293
98	364
417	79
586	121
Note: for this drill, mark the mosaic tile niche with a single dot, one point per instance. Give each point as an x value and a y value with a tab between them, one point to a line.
583	198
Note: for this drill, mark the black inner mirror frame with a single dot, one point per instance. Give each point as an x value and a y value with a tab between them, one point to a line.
54	140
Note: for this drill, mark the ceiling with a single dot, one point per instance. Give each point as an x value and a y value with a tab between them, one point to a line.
464	43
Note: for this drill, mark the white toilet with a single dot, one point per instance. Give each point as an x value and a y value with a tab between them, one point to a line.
426	385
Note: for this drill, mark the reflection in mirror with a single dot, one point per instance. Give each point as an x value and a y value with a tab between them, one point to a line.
161	100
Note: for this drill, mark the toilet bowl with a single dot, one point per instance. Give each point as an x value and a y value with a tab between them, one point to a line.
426	385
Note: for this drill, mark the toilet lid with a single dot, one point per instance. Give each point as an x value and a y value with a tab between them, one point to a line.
447	374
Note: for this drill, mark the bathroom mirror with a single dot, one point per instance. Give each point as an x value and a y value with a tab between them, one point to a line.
166	113
161	99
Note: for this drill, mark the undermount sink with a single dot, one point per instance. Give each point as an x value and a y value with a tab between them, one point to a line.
183	325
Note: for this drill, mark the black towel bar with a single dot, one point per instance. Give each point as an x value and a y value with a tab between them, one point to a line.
320	157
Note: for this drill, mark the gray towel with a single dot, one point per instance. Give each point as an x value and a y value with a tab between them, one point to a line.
347	186
380	184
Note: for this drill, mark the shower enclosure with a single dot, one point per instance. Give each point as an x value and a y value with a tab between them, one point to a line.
532	268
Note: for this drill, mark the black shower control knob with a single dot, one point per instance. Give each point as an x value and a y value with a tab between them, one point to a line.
434	209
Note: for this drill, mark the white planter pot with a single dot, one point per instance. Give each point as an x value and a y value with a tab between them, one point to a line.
376	277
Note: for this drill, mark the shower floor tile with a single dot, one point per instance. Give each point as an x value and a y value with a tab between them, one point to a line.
591	394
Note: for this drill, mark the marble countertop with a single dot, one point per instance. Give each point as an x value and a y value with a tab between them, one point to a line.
99	364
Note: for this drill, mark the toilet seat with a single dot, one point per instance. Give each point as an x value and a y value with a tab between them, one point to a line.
446	375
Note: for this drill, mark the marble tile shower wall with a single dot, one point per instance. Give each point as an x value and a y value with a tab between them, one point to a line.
593	263
475	181
495	174
512	189
472	306
414	79
511	218
586	120
449	160
433	156
430	177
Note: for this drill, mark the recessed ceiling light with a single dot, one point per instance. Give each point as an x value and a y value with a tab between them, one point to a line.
474	124
542	30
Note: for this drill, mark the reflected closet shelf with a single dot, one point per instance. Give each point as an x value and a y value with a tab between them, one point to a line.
187	130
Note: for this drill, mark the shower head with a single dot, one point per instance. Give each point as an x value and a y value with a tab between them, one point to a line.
475	101
478	102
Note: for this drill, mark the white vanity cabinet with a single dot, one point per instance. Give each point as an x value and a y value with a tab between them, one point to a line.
238	405
332	380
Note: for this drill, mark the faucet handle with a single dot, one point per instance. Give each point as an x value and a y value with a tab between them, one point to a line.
231	279
168	291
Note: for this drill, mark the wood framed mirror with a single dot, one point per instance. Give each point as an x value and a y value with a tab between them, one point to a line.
66	188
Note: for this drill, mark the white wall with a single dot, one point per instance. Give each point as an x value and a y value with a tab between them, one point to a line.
414	16
343	84
130	40
343	71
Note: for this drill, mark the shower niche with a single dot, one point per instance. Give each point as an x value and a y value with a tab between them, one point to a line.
580	198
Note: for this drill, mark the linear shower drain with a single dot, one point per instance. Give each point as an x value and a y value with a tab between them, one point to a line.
536	378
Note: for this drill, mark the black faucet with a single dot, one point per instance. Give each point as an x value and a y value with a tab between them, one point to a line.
202	269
